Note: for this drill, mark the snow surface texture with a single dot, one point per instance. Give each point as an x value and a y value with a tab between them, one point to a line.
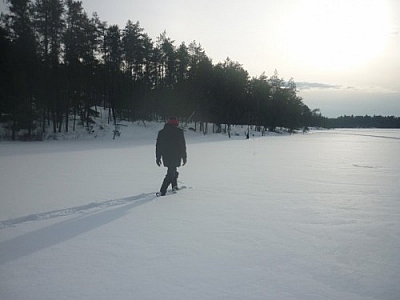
313	216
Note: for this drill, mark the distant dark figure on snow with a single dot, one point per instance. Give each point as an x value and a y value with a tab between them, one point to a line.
171	150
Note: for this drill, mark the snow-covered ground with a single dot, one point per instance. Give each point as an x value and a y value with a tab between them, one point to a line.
306	216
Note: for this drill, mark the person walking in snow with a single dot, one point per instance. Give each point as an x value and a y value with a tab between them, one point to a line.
171	151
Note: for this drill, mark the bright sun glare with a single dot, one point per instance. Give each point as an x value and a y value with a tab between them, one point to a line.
338	34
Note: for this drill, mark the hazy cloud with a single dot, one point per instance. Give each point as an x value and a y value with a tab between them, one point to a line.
371	89
316	85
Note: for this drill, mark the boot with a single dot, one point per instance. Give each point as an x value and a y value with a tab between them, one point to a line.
164	186
175	182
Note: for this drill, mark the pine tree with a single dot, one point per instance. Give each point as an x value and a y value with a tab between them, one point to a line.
50	28
22	56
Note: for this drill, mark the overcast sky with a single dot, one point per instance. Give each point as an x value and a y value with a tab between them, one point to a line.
345	54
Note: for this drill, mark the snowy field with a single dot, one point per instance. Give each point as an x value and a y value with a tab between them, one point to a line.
306	216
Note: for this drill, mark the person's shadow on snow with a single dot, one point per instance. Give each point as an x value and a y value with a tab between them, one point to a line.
54	234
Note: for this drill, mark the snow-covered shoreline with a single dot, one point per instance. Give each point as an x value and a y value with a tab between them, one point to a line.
306	216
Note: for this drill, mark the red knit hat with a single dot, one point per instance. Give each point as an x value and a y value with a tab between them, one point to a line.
173	121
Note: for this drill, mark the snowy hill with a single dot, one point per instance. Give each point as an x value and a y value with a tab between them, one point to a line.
312	216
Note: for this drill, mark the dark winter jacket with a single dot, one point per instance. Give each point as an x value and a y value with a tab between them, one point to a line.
171	146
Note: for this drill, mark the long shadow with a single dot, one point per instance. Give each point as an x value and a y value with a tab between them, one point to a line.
54	234
72	210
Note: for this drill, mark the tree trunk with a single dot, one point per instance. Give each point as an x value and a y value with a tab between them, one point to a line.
66	119
205	128
73	126
53	113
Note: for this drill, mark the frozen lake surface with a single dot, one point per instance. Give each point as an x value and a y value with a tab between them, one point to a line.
313	216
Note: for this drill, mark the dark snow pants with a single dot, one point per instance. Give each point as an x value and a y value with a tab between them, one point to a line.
170	178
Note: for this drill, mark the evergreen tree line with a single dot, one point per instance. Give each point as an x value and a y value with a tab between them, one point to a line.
57	63
358	122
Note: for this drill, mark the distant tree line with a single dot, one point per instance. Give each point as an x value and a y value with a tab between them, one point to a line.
357	122
57	63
